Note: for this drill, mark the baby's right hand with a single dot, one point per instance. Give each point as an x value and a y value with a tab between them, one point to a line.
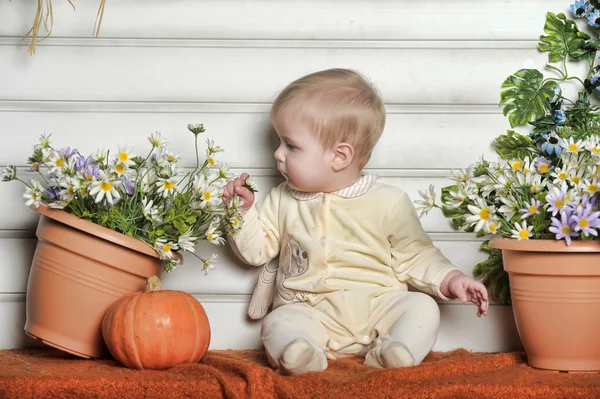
236	186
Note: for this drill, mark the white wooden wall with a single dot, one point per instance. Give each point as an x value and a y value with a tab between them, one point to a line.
160	65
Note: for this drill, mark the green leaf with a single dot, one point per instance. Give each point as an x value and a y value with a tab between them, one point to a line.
513	145
564	39
545	124
445	196
492	273
526	98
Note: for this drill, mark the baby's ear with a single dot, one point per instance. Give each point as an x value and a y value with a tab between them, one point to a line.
343	155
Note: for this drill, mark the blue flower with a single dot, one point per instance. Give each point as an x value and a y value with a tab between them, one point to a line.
557	93
559	116
579	8
595	78
594	18
552	144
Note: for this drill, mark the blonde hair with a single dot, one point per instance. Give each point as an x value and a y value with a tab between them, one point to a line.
338	105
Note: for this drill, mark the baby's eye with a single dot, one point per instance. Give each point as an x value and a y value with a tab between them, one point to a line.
291	147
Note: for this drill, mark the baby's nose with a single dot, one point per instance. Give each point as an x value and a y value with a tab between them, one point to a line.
278	155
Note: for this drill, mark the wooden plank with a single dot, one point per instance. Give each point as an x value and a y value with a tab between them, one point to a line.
411	140
232	329
293	19
230	277
245	74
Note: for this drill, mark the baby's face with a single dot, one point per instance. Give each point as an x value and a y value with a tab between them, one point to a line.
302	160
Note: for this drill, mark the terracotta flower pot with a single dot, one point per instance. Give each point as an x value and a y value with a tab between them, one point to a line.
79	269
555	291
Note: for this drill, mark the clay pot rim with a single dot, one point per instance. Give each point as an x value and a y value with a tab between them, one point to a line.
544	245
96	230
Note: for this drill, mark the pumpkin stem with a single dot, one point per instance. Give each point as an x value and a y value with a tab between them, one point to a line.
153	284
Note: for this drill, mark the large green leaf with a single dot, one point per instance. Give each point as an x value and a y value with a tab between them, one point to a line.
564	39
513	145
526	98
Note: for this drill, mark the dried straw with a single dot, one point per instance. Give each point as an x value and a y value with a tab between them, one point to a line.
45	16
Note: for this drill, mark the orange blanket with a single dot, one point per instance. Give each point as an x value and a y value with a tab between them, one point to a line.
47	373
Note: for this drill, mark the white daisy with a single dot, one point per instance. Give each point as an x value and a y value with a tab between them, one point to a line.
9	173
462	175
510	207
521	231
171	157
70	187
125	156
44	142
571	145
100	156
186	241
165	248
33	194
427	203
208	194
57	162
105	187
481	214
209	264
213	236
150	211
224	172
166	187
590	185
157	140
212	148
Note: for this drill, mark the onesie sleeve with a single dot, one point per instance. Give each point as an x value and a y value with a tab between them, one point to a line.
415	259
258	241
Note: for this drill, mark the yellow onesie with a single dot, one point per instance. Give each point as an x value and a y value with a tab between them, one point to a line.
341	286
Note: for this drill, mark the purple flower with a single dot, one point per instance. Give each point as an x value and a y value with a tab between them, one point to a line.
67	152
555	200
592	200
533	208
586	221
82	162
563	228
543	165
52	192
129	187
91	172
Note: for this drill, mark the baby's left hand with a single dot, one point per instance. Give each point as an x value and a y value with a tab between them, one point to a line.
467	289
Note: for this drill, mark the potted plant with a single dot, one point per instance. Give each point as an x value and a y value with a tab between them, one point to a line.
539	201
108	222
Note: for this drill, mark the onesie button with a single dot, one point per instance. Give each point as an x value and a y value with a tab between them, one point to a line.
366	339
334	345
323	238
323	273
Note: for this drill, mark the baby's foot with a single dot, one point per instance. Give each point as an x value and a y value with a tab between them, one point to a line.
388	354
300	357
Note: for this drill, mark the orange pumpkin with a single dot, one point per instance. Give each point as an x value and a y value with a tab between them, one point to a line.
156	329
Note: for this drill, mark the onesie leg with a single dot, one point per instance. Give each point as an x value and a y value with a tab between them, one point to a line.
406	333
294	340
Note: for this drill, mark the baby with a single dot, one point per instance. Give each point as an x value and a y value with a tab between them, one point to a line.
348	245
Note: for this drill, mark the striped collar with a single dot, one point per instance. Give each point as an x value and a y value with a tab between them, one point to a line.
356	190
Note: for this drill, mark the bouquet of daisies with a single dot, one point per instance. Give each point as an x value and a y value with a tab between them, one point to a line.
546	183
142	196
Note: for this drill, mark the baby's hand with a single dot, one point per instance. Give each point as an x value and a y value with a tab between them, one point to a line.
467	289
237	186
